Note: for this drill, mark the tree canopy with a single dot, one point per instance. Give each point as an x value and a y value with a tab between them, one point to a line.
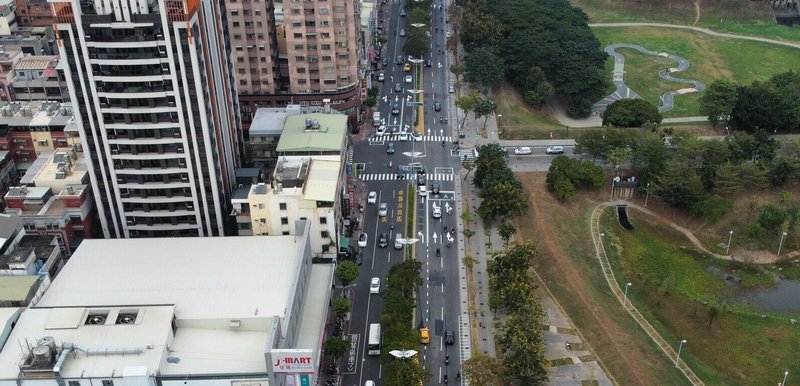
631	113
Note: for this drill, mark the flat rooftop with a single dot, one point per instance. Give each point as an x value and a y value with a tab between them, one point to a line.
205	277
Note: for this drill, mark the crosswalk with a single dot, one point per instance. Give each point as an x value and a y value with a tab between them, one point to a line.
426	138
465	155
393	176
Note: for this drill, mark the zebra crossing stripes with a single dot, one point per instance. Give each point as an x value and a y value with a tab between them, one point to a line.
393	176
426	138
466	155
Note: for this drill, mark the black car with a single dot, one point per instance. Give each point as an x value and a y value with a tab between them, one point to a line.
397	87
390	148
428	63
403	13
449	337
383	240
399	60
421	179
358	259
435	188
395	109
437	106
385	62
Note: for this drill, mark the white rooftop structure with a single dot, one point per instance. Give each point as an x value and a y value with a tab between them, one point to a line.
177	309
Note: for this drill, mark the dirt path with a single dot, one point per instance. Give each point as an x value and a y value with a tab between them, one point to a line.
758	257
570	277
696	11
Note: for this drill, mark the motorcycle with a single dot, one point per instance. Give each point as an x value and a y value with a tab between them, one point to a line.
446	359
438	253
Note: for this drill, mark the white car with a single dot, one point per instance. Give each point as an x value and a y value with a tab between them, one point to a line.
423	191
362	240
372	198
403	137
448	34
375	285
523	150
437	211
409	79
381	77
381	131
416	136
383	209
555	150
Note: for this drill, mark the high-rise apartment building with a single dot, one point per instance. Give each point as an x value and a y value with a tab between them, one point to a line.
156	108
309	56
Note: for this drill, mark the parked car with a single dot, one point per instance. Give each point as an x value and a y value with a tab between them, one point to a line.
381	77
448	34
383	209
372	197
390	148
523	150
375	285
362	240
383	240
437	106
555	150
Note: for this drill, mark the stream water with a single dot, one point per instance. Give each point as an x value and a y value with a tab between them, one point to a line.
783	297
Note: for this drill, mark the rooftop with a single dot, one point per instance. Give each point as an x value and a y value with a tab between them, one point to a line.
16	287
205	277
36	113
270	121
37	62
323	180
316	132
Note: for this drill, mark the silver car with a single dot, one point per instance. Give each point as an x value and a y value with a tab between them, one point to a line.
383	209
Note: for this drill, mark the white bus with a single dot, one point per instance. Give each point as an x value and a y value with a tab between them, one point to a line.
374	343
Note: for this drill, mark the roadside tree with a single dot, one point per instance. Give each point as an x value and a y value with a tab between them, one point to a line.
341	306
485	108
679	185
482	369
336	347
592	143
346	272
479	27
467	103
506	231
523	345
491	157
631	113
759	106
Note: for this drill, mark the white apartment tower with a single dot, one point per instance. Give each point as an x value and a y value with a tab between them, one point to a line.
157	110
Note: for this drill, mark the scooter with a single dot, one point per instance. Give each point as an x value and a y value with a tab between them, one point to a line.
438	253
446	359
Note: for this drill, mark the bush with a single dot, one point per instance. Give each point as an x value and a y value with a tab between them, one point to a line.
754	230
771	217
712	208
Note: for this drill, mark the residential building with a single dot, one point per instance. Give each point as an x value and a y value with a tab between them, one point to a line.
34	13
157	112
265	132
166	312
295	53
54	199
9	176
30	40
8	59
321	135
301	188
8	18
29	128
27	263
36	78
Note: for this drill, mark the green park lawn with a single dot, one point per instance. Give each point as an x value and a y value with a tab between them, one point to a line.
735	16
710	58
670	284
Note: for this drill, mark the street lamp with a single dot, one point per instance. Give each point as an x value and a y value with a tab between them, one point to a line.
403	354
625	301
730	236
646	197
785	374
499	125
780	245
677	357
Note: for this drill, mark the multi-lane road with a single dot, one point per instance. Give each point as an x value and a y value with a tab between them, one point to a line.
437	306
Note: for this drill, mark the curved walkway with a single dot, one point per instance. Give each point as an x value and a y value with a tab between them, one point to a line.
622	91
600	252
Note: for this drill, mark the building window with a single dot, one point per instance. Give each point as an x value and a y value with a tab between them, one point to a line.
303	218
108	382
323	220
263	221
286	233
282	206
261	206
324	234
245	226
74	383
284	221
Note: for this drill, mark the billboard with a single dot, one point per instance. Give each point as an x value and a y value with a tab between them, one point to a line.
292	361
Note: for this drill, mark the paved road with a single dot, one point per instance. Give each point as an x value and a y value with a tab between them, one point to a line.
438	306
622	91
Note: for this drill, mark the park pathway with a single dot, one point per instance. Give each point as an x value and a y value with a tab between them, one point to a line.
623	91
608	273
699	29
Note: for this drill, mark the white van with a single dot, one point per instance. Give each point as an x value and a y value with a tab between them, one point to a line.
403	32
398	241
